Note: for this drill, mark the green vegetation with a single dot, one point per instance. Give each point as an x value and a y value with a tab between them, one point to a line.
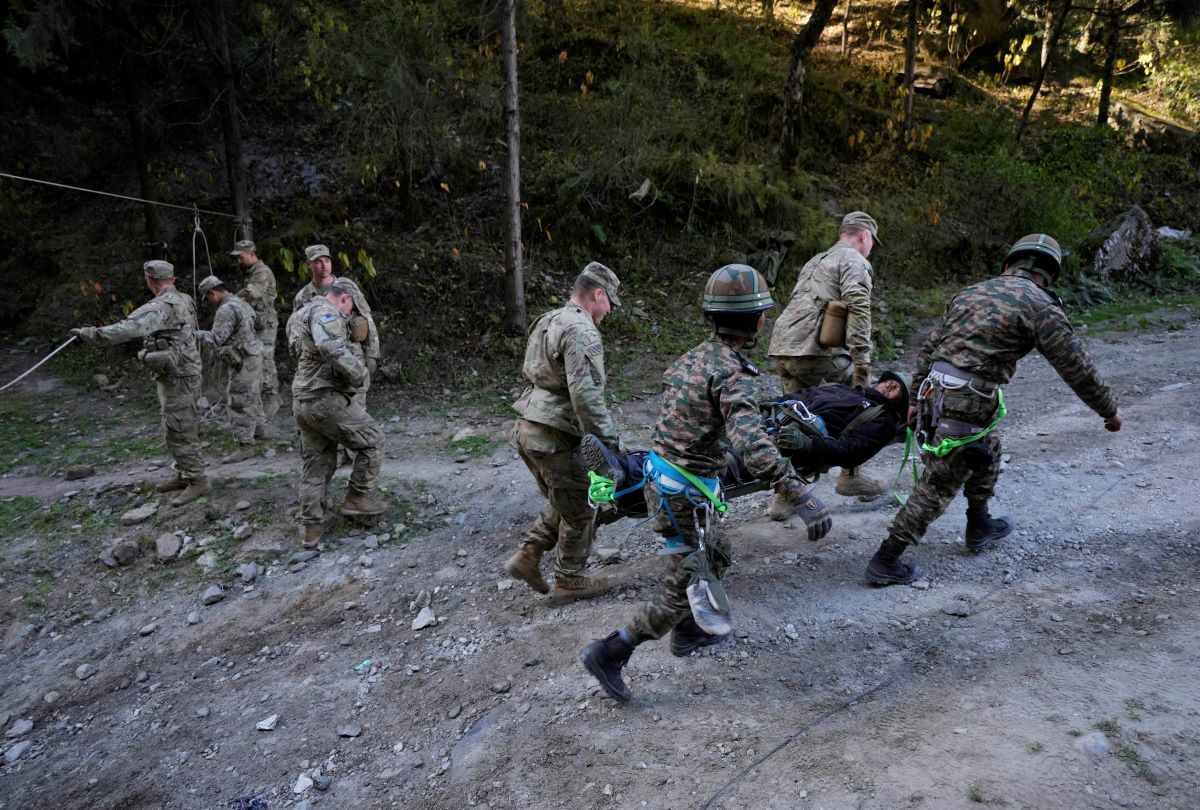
1132	757
1111	728
15	512
476	446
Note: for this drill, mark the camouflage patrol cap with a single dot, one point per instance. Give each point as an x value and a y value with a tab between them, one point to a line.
339	288
159	269
209	284
313	252
604	277
1043	249
736	288
243	246
861	219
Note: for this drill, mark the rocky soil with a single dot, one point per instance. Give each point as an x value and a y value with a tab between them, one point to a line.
190	658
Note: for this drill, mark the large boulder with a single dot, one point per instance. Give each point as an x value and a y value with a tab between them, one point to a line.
1122	249
1143	128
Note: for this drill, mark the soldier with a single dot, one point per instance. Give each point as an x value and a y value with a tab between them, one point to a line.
564	364
260	292
165	326
841	273
233	337
974	351
364	337
708	402
329	410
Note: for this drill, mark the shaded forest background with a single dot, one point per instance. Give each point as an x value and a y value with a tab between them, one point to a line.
651	141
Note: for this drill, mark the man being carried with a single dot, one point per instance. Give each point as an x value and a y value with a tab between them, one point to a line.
708	403
974	351
233	337
564	364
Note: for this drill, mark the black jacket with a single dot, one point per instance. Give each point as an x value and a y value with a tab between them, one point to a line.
838	405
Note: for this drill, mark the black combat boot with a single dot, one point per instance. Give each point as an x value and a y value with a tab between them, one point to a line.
885	567
605	658
687	637
983	530
596	457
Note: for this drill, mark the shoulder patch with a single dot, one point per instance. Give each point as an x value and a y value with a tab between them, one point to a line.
328	317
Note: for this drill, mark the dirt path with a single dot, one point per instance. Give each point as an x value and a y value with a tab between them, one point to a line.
1069	681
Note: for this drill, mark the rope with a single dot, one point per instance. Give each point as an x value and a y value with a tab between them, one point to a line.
122	196
40	363
908	446
198	231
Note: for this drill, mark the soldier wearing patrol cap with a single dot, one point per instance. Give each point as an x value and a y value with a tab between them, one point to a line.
564	365
363	335
260	292
329	410
841	273
232	335
166	327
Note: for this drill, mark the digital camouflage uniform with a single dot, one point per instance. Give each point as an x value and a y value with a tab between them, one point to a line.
233	336
708	404
986	329
564	364
839	274
260	292
166	325
369	349
328	407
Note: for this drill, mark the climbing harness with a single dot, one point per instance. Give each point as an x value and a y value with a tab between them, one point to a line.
39	363
943	448
909	442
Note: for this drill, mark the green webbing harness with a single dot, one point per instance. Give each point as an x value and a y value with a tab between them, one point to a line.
947	444
908	446
601	489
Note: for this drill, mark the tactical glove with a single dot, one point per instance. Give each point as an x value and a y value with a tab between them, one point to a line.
862	375
815	515
87	334
794	441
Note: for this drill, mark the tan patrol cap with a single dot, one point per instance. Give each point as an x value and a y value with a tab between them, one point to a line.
861	219
243	246
313	252
208	284
606	278
159	269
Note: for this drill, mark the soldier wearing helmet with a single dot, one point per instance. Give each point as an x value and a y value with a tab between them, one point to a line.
840	274
709	402
564	365
961	369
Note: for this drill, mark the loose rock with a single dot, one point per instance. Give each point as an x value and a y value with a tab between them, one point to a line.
303	556
15	753
249	572
84	671
267	723
139	514
193	617
168	546
147	629
1094	744
424	619
241	506
242	532
303	783
77	471
213	595
957	608
349	731
22	726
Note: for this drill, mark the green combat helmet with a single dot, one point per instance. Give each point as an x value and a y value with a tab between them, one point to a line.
1043	250
736	288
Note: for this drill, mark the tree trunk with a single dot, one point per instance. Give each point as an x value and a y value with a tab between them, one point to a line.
231	127
1089	30
514	283
1112	41
793	91
846	29
1051	42
137	137
910	66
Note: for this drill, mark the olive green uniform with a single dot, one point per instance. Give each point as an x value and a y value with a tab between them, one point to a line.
234	338
368	349
260	293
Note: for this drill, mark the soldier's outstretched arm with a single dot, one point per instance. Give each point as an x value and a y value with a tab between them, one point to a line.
583	357
141	322
1059	344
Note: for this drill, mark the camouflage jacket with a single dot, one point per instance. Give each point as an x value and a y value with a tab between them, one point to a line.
709	403
309	292
839	274
564	364
233	328
260	293
165	324
319	339
991	325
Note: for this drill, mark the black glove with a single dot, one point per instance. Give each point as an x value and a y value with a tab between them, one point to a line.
815	515
793	440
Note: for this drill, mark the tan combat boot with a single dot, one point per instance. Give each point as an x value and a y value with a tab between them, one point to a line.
780	509
850	484
359	503
524	565
196	487
174	483
311	534
570	588
243	452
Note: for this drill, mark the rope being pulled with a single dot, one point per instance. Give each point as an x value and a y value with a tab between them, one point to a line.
39	364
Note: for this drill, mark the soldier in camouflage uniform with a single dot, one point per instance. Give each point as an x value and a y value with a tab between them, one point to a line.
362	334
232	335
329	410
974	351
841	273
564	364
708	403
260	292
165	326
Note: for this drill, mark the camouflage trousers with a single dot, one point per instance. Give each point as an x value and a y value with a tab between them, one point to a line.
669	605
181	423
975	468
244	398
567	522
329	418
270	377
796	373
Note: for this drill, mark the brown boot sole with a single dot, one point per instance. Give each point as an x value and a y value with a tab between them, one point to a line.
593	589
